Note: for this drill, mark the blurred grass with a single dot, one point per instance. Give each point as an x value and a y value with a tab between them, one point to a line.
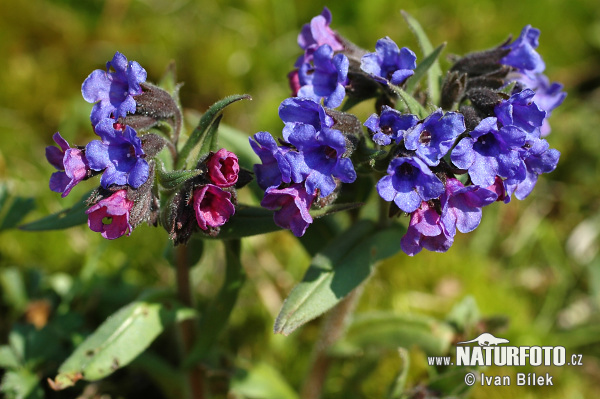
517	263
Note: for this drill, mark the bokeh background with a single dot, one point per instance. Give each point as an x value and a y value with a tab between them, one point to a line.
534	262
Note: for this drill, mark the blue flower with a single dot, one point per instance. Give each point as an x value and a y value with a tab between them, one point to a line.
490	152
538	158
320	158
294	111
521	111
275	169
113	91
389	63
433	138
522	53
408	182
119	154
326	79
390	125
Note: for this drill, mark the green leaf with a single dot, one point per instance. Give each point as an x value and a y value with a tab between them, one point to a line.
248	221
117	342
14	292
170	380
422	68
64	219
413	106
216	315
334	208
341	267
399	385
434	74
168	81
172	180
262	381
201	133
8	359
13	209
211	142
21	384
386	330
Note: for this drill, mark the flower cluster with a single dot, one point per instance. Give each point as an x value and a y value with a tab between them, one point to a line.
484	143
128	194
311	163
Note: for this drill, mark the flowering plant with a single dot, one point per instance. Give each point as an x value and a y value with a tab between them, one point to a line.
438	148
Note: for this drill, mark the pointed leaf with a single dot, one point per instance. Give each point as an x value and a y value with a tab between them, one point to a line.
399	385
341	267
13	209
422	69
199	135
174	179
248	221
434	74
64	219
117	342
386	330
413	106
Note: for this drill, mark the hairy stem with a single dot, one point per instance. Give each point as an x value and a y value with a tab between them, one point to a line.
333	328
188	327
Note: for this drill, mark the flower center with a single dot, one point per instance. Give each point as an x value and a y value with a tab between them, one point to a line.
405	169
330	153
107	220
387	130
425	137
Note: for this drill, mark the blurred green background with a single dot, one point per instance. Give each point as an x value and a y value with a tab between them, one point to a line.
535	262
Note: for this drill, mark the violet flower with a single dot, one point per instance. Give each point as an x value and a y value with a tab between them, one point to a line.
294	111
408	182
326	80
119	154
433	138
389	63
223	168
291	205
71	164
212	206
275	169
520	111
390	125
316	34
490	152
522	53
461	206
110	216
426	230
113	91
320	159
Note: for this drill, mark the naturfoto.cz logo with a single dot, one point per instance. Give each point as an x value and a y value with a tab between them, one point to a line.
489	351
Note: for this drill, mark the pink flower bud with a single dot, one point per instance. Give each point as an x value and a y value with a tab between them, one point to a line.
223	168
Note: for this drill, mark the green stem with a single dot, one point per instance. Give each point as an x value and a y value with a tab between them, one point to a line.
188	327
333	328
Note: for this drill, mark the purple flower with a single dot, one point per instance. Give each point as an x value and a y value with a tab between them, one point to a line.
212	206
461	206
320	159
547	96
326	79
539	159
110	216
522	52
490	152
275	169
223	168
71	164
294	111
426	230
520	111
390	125
291	205
113	92
408	182
316	34
389	63
119	154
433	138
